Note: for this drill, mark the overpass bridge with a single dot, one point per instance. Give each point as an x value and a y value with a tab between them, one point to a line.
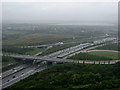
58	60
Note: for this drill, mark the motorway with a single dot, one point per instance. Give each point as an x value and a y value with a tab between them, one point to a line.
62	53
20	72
79	51
14	70
39	58
13	78
14	75
77	48
43	50
9	64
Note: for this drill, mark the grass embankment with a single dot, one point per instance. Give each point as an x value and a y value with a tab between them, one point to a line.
69	75
11	66
96	55
34	51
8	60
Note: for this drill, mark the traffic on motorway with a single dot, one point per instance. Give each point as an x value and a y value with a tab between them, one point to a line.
20	72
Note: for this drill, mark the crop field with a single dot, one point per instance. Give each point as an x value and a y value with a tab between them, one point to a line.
34	39
60	45
36	34
28	34
113	46
96	55
109	54
34	51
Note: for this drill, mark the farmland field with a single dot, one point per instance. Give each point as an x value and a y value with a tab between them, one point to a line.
34	39
96	55
113	46
17	35
109	54
60	45
34	51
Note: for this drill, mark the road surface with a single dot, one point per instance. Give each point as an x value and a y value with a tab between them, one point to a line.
13	78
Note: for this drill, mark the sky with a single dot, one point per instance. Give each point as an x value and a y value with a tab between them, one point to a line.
60	0
61	12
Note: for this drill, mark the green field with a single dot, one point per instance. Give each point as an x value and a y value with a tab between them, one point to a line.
109	54
11	66
34	51
112	46
67	75
74	76
13	45
96	55
38	38
37	34
7	60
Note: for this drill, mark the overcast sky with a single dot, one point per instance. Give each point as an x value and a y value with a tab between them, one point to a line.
61	12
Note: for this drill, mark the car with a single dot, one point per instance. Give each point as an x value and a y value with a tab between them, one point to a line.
13	76
38	65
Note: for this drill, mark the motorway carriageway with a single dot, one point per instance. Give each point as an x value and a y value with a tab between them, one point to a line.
20	74
14	70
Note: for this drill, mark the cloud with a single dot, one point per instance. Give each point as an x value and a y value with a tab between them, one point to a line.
64	11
